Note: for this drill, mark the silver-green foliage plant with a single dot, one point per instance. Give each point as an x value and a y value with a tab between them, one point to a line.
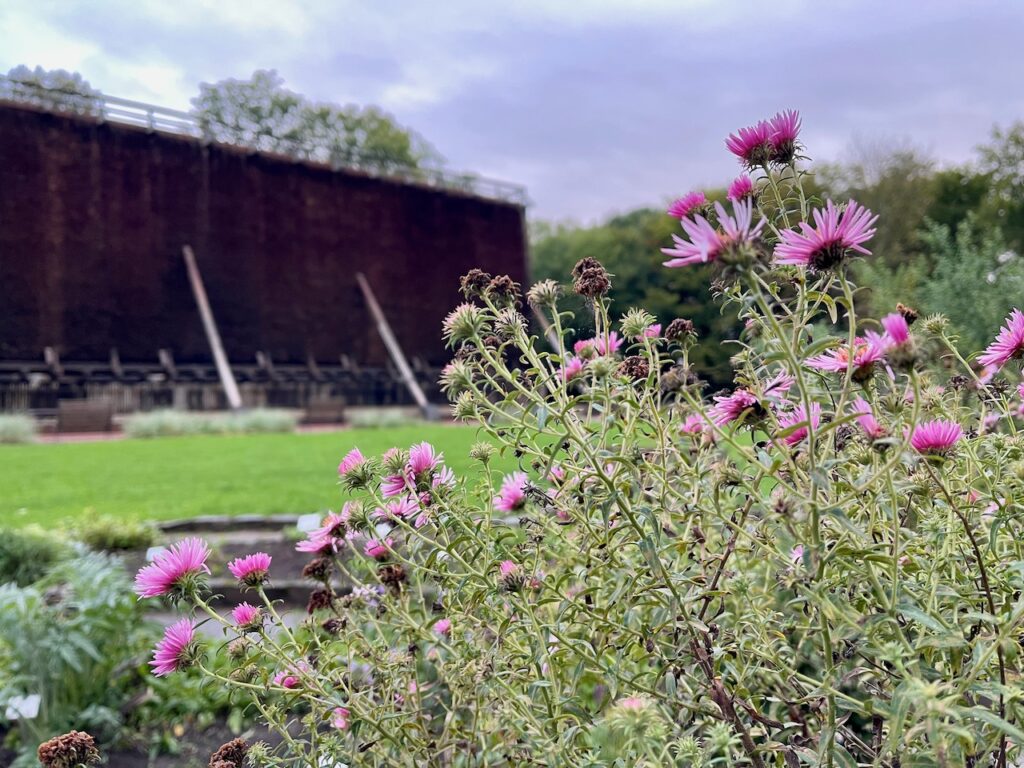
17	428
74	639
171	423
821	566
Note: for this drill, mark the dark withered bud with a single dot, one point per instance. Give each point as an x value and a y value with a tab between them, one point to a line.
318	569
503	289
232	753
320	599
909	313
69	751
391	576
680	329
333	626
590	278
959	382
634	368
474	283
491	342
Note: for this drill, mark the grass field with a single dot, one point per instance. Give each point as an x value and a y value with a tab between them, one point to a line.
175	477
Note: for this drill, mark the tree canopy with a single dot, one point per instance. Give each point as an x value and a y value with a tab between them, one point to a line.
260	112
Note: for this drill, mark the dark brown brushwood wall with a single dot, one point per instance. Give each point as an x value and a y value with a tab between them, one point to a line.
93	217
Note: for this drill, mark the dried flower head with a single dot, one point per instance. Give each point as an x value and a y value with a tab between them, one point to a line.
502	290
233	753
635	368
69	750
474	283
681	330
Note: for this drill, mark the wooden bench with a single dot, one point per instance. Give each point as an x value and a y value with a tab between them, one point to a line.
324	412
84	416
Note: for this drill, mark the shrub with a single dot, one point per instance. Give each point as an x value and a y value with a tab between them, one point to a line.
820	566
75	639
17	428
113	534
27	553
381	418
170	423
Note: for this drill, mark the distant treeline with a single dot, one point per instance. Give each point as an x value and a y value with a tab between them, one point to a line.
950	240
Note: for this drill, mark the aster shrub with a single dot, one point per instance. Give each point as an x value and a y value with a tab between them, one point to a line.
819	566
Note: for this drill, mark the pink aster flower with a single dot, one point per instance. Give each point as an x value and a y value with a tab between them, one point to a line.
694	424
831	240
706	243
741	188
777	387
572	368
798	418
317	545
393	485
785	130
176	650
443	478
173	569
378	550
340	717
1009	343
897	332
252	569
753	144
608	344
867	352
423	458
334	523
292	677
400	509
247	617
352	460
796	555
686	205
509	568
866	419
443	627
935	437
652	331
512	495
728	408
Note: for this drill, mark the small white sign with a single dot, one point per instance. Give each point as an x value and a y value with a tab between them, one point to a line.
23	707
308	523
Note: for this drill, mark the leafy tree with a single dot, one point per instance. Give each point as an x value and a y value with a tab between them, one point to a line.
52	89
975	281
628	246
261	113
1003	159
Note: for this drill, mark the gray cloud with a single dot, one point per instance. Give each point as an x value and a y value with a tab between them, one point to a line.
597	110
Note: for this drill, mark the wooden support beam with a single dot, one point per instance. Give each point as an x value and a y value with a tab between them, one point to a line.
428	410
227	378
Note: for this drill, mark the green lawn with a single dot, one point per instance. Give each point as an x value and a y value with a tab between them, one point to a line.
175	477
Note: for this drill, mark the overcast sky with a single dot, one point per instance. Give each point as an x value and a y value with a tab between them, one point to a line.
597	107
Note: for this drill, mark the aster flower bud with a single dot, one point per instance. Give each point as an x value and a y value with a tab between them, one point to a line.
482	452
544	294
510	324
466	407
238	648
603	367
394	460
511	576
935	325
457	377
474	283
635	323
465	322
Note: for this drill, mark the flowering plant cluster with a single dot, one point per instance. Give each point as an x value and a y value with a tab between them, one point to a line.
820	566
